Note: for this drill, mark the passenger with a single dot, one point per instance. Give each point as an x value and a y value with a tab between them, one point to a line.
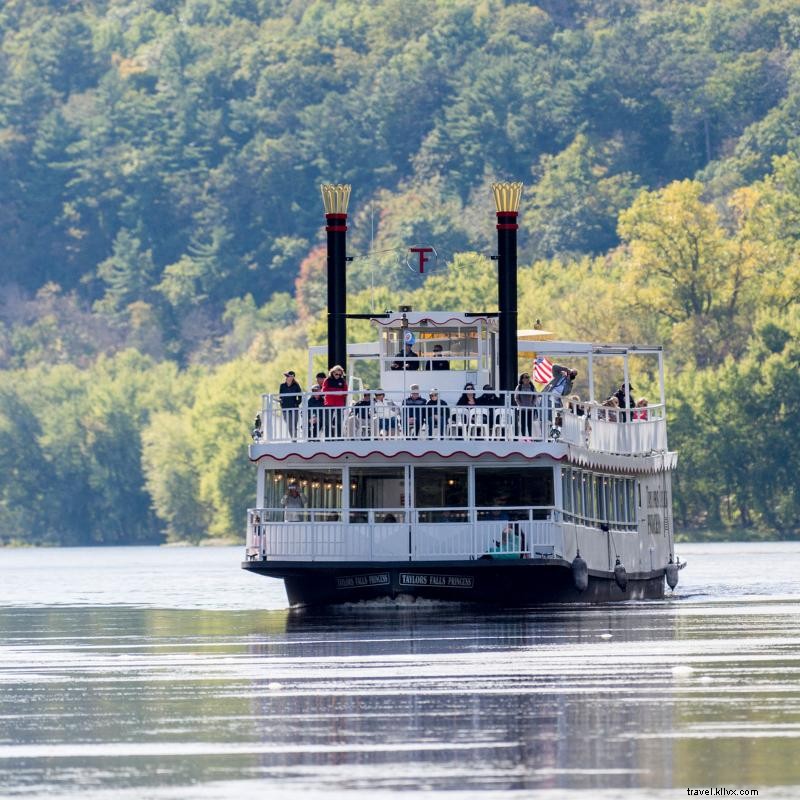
437	414
437	361
389	518
405	354
640	412
625	401
468	396
492	401
335	390
561	383
412	411
509	545
385	412
525	401
575	406
610	411
362	411
559	387
467	400
363	407
316	403
291	398
291	502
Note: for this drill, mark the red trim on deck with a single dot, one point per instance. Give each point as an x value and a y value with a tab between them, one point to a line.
412	455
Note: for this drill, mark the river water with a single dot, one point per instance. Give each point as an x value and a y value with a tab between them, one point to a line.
171	673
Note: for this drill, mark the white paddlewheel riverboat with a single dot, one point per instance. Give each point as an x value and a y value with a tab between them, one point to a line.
408	483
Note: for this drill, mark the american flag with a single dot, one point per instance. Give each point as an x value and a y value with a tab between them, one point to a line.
542	370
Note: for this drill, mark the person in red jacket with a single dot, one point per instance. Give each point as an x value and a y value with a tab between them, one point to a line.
334	388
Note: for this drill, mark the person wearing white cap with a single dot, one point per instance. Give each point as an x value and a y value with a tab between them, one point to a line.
412	411
291	502
291	396
385	412
437	414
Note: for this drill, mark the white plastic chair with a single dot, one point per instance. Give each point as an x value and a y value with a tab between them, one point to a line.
478	423
503	424
458	424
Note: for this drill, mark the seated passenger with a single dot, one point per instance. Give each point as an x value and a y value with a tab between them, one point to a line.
492	400
437	362
436	414
406	354
362	408
361	415
509	545
412	411
640	412
385	412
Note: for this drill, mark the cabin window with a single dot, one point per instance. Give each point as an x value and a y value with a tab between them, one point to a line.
377	494
441	494
517	489
320	489
593	500
458	347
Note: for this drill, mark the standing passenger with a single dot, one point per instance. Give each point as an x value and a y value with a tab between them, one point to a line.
525	400
293	504
335	390
316	402
291	396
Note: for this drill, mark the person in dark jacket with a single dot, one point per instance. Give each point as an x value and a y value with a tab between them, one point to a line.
412	411
437	362
492	401
316	403
406	355
525	401
436	414
291	396
625	400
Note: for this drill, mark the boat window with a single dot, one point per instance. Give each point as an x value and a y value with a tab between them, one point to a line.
321	490
377	494
441	494
592	500
517	489
457	347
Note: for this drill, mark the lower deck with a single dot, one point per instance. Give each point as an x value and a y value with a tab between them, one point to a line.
460	511
507	583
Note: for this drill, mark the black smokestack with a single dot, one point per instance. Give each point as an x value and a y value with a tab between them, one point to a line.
335	198
507	197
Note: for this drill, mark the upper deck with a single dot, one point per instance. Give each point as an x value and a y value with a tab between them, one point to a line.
419	402
443	425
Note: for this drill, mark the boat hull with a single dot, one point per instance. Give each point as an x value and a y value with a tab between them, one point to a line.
494	582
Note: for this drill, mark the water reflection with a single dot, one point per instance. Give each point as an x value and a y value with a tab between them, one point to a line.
200	703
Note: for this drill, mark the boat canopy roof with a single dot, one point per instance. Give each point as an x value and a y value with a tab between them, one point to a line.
433	319
566	348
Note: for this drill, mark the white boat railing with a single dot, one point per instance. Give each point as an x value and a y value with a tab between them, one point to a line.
371	416
419	535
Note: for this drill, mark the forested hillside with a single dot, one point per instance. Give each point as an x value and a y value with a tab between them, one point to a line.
161	227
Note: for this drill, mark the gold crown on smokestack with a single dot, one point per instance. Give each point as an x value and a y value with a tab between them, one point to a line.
507	196
335	197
